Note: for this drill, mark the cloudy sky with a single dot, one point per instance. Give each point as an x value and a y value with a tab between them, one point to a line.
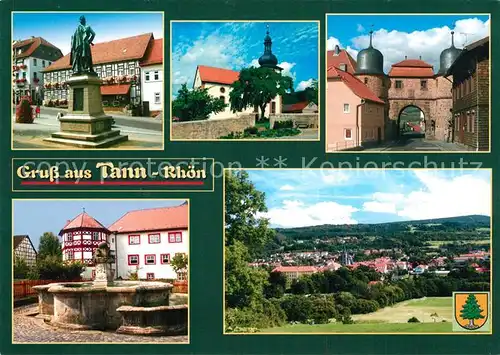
397	36
297	198
235	45
58	27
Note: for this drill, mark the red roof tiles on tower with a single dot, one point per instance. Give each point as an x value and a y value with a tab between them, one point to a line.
82	221
354	84
120	50
217	75
153	219
414	68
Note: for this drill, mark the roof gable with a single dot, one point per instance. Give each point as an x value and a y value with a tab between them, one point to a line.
354	84
217	75
154	53
342	58
31	45
120	50
153	219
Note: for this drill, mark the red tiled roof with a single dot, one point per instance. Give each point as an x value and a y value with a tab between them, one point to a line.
83	220
153	219
154	54
217	75
295	269
342	58
413	68
33	43
354	84
115	89
299	106
120	50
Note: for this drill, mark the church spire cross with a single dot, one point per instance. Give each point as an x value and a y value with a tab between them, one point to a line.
452	38
83	209
371	35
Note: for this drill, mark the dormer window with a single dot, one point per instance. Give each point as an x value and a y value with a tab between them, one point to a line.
343	66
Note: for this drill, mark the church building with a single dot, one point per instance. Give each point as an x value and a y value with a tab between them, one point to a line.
218	81
410	83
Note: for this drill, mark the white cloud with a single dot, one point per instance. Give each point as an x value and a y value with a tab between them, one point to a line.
360	28
332	42
334	177
294	213
440	197
287	188
429	44
287	69
304	84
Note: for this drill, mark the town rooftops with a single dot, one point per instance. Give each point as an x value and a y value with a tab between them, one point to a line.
217	75
154	53
298	269
83	221
30	45
296	107
340	56
413	68
153	219
120	50
354	84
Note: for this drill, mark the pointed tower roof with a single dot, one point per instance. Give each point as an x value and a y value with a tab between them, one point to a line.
268	59
370	60
448	56
83	221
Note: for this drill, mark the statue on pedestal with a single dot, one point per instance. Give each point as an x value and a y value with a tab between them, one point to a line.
81	54
103	260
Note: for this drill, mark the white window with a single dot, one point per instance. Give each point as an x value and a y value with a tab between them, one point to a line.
347	108
95	236
147	76
157	98
154	238
157	75
150	259
134	239
34	61
348	133
133	259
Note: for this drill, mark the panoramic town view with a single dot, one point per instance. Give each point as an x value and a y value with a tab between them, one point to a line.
105	271
408	83
245	80
87	80
357	251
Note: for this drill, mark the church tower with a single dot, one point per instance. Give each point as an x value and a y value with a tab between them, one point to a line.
370	70
448	56
268	59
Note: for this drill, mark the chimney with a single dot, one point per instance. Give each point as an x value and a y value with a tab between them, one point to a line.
336	51
420	57
406	57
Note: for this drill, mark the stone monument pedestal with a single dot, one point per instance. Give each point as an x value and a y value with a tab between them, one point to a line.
103	274
85	125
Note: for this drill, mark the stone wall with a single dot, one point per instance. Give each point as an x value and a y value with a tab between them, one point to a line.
211	128
299	119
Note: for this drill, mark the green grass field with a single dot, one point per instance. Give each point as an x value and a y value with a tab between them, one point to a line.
438	243
388	320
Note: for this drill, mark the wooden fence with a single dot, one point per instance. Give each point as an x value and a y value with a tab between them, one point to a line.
24	288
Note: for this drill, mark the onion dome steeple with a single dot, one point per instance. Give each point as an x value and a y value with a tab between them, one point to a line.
448	56
370	60
268	59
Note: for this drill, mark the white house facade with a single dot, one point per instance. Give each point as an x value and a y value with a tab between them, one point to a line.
152	77
147	240
30	57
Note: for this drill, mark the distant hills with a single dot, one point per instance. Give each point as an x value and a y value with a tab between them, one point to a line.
470	222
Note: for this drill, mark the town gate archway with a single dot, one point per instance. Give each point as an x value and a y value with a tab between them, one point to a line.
417	112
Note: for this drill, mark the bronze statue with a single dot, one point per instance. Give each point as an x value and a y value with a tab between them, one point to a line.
81	54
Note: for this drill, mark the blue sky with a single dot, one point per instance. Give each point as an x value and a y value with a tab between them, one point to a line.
34	217
399	35
298	198
58	27
235	45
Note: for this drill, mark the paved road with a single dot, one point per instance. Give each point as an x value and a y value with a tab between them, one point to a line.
28	329
417	143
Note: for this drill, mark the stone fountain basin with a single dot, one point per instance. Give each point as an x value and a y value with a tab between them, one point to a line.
81	305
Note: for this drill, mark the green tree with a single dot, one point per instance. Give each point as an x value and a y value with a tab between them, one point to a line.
276	285
243	205
471	311
256	87
196	104
21	269
49	246
312	92
179	262
244	284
